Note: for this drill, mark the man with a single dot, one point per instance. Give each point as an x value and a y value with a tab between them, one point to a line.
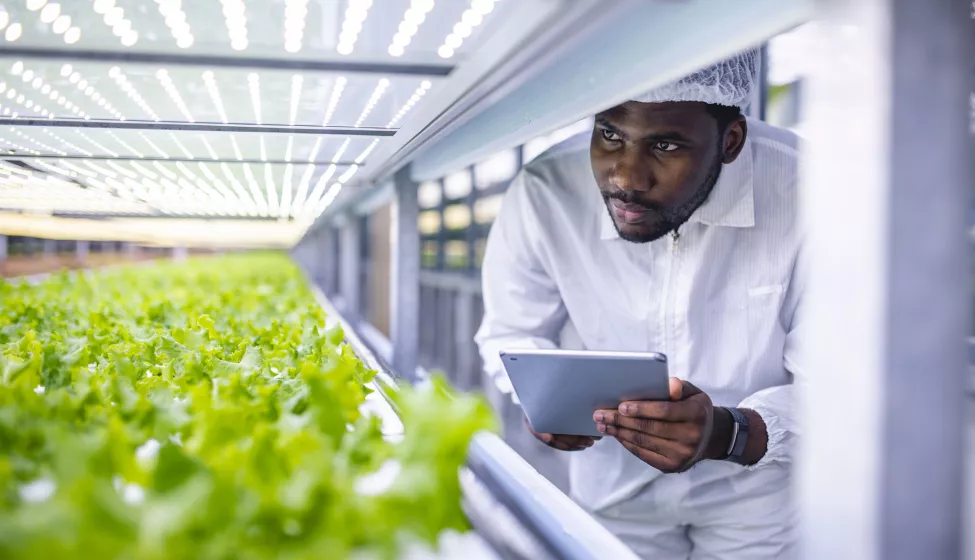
672	229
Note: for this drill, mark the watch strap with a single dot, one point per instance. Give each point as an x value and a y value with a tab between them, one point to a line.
739	438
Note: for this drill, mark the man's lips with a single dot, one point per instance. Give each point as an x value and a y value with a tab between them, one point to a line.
629	212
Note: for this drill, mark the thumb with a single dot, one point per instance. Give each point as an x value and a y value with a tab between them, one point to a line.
680	390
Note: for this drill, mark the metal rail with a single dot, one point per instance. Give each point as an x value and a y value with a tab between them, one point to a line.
198	126
295	161
224	61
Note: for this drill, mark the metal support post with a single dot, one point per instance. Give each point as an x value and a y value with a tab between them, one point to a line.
405	277
3	248
82	248
349	280
180	253
882	359
49	247
129	249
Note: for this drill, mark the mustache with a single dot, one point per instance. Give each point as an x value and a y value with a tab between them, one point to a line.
631	198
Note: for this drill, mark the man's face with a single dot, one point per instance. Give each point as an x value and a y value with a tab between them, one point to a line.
656	163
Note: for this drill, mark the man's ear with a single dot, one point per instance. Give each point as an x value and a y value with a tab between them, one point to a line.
734	139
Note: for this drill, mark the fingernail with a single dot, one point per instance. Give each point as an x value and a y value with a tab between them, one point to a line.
601	428
599	417
627	409
610	429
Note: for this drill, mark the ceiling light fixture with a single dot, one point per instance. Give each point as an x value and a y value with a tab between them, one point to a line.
355	16
414	16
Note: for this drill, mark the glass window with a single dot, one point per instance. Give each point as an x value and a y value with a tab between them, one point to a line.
429	222
480	247
535	147
455	254
499	168
457	185
429	257
457	216
486	209
428	194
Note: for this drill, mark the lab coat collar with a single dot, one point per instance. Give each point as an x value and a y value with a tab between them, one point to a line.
731	203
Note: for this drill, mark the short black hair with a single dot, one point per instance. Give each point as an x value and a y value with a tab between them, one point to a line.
724	114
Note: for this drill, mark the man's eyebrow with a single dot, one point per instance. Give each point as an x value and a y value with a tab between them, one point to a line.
603	122
667	136
661	136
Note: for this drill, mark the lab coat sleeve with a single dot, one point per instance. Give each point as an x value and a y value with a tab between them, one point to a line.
522	305
777	405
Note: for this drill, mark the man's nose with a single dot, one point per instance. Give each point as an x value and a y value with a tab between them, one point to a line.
631	173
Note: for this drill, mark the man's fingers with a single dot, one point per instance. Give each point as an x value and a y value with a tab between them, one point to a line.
668	448
652	458
676	389
670	411
660	428
688	389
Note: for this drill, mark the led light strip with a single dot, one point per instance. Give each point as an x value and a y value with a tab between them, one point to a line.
255	190
355	15
11	30
237	154
425	85
206	143
271	189
50	14
211	85
373	99
37	142
153	145
94	143
316	193
163	76
341	150
234	14
181	147
365	153
176	21
20	148
126	86
295	13
288	149
67	71
37	82
125	145
21	99
296	82
333	101
302	194
470	19
254	83
412	19
68	144
285	206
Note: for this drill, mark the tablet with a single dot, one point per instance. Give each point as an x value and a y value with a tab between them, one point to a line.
560	389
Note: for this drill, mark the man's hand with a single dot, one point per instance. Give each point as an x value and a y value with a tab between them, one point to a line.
563	442
673	435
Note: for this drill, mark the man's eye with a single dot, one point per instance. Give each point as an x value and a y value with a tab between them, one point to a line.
610	135
666	146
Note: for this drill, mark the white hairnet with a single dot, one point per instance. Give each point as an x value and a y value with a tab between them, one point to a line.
728	82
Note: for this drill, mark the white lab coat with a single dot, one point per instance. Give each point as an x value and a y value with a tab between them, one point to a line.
721	302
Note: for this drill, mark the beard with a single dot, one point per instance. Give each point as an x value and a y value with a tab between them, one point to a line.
662	220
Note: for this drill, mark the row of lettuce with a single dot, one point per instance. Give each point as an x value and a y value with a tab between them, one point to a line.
205	410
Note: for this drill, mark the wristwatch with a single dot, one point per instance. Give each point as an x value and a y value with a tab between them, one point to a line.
739	437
